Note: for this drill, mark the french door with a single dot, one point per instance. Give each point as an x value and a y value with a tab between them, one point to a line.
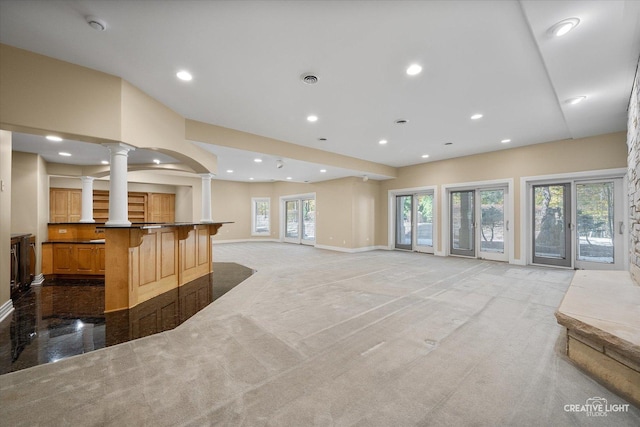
414	222
300	221
478	224
579	224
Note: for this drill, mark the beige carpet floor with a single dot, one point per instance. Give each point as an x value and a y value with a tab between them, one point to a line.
320	338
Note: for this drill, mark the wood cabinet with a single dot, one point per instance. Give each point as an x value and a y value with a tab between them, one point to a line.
77	259
65	205
162	207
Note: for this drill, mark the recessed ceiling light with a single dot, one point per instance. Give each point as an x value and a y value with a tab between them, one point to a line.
156	161
105	162
476	116
425	156
505	141
250	179
229	170
564	26
382	141
54	138
62	153
414	69
257	160
289	177
576	100
312	118
184	75
323	170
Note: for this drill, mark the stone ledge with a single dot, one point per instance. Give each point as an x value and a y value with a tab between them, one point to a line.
601	310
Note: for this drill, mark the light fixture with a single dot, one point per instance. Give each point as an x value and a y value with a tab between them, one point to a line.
323	170
62	153
476	116
414	69
257	160
250	179
289	178
576	100
156	161
54	138
312	118
184	75
229	170
401	121
448	143
505	141
382	142
322	139
425	156
96	23
563	27
279	164
105	162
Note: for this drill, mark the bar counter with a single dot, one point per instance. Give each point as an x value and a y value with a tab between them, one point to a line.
145	260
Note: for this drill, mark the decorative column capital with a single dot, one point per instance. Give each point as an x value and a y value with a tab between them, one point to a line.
119	148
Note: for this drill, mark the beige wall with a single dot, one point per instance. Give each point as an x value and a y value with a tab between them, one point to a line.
5	216
30	198
345	216
149	124
595	153
103	184
41	93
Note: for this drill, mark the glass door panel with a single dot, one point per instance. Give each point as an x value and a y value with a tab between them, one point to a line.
292	220
551	224
404	223
423	215
308	220
599	242
493	231
462	223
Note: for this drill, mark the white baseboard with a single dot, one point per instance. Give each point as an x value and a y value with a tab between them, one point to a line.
351	250
38	280
6	309
216	242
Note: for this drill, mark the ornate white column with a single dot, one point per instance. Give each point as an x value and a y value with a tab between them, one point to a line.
206	197
118	194
87	199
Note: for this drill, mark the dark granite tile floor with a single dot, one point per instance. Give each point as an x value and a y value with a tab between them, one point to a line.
63	318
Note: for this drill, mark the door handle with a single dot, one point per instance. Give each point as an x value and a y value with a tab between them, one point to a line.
507	225
621	227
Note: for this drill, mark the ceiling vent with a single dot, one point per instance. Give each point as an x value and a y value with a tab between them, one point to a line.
308	78
401	122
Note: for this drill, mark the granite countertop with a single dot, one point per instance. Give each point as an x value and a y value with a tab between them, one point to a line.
91	242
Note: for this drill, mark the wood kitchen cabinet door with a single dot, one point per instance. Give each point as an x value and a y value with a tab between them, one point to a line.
65	205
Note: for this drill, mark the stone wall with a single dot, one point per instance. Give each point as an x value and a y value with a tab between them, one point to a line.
633	142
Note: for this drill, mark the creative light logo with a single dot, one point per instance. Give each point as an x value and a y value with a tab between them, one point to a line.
597	407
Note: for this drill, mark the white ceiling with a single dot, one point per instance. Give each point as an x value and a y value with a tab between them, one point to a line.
489	57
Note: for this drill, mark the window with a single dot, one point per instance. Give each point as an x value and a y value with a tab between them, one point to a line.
261	217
